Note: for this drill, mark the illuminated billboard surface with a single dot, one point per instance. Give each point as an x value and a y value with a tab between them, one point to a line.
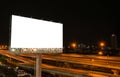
30	35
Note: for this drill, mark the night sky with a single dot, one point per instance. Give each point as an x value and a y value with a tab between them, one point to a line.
84	21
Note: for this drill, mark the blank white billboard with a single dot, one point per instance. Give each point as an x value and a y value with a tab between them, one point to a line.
30	35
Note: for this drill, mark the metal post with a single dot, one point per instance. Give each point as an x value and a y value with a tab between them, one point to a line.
38	65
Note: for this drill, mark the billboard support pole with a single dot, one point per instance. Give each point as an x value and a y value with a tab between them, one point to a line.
38	65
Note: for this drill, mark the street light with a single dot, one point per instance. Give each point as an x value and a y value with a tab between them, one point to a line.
102	44
74	45
100	53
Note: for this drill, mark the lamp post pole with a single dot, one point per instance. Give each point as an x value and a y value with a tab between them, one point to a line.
38	65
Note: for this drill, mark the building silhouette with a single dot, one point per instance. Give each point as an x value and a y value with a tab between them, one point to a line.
113	41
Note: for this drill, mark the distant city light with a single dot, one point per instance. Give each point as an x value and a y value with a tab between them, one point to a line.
3	46
102	44
113	35
100	53
74	45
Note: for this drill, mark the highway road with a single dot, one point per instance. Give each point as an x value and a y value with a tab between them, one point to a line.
14	56
109	62
71	72
110	58
101	61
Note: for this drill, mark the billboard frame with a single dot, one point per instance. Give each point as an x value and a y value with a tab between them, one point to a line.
37	51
